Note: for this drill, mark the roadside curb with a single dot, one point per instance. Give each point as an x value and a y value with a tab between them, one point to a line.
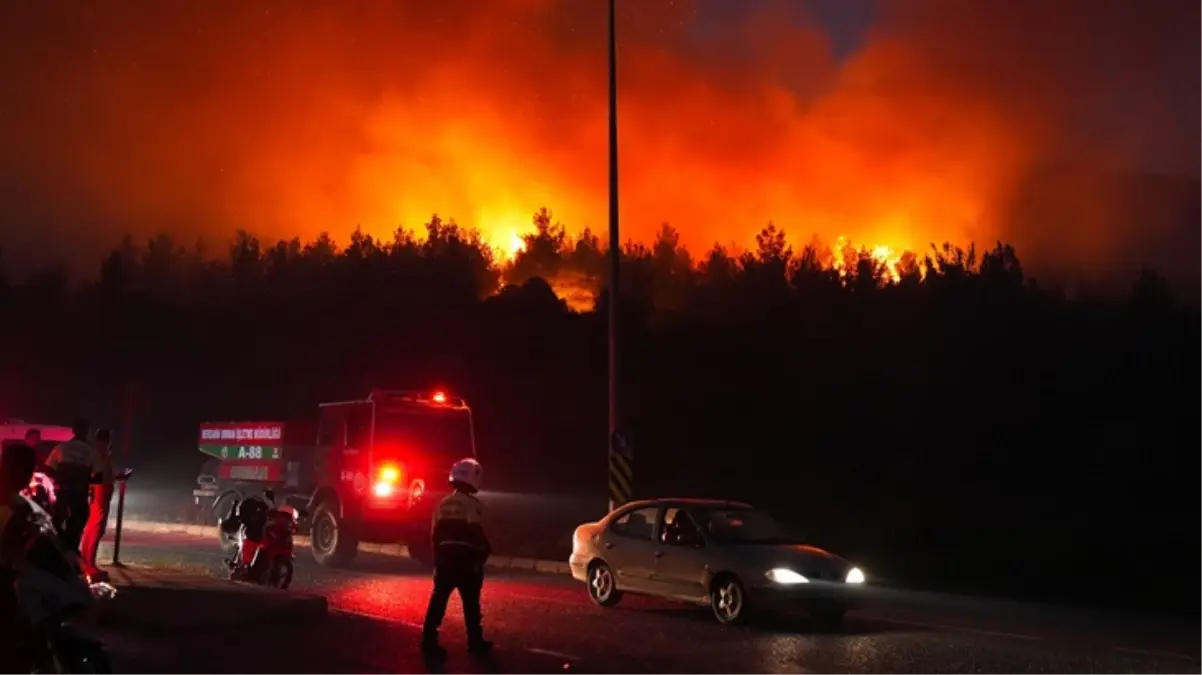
496	562
194	602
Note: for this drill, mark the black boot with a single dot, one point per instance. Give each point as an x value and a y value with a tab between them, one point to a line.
476	644
431	648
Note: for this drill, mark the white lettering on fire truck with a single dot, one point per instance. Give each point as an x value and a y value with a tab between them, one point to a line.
247	434
248	472
250	452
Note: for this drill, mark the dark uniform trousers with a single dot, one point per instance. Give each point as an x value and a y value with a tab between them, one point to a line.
72	503
459	555
72	515
468	582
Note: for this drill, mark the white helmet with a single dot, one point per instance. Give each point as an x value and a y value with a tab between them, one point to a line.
467	471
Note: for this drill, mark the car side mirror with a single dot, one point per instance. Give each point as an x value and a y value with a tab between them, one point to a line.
269	493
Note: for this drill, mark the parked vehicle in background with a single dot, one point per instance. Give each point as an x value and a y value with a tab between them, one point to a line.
375	473
729	556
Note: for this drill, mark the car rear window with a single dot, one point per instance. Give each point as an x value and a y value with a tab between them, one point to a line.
637	524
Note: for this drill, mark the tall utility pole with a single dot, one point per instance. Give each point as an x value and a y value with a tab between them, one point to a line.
620	471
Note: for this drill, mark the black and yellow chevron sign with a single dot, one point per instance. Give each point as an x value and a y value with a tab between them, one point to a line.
621	479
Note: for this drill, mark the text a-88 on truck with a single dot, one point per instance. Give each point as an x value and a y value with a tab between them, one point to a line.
373	469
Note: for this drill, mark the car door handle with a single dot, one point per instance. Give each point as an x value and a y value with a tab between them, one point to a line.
609	544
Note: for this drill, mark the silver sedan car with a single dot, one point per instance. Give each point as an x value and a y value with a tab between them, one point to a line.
726	555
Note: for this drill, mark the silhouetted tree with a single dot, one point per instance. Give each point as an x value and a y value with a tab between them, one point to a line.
543	253
1150	292
246	259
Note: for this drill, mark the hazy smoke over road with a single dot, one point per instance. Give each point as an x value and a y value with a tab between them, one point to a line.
294	117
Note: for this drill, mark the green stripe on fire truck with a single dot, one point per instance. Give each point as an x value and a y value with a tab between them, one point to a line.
242	451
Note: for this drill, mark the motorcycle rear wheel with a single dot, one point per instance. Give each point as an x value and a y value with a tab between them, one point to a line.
281	574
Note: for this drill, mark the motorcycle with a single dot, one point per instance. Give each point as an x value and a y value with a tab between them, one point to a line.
51	590
261	534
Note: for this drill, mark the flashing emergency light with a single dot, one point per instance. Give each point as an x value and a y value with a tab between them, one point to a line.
439	397
387	479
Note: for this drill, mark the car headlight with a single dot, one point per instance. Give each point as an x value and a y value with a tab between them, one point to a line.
855	576
783	575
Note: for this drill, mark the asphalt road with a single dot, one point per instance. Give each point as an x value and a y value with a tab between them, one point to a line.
342	643
547	624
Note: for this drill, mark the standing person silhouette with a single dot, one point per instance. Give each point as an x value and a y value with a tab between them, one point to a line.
73	464
98	512
460	551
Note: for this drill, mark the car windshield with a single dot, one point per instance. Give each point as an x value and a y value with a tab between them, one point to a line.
435	432
744	526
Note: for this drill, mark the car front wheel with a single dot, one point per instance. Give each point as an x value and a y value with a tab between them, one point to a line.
728	600
602	587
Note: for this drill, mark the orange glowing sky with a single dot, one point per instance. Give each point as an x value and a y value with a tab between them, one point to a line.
288	118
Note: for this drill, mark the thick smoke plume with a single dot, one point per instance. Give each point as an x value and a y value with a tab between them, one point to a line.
1022	120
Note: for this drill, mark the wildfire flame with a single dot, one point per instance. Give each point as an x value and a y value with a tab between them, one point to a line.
297	120
579	291
846	254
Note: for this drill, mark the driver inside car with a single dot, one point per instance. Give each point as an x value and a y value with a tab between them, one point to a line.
678	527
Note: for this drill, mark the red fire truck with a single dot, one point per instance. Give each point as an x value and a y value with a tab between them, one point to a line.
377	469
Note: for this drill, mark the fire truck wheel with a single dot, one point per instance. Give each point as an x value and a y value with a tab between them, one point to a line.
333	540
421	550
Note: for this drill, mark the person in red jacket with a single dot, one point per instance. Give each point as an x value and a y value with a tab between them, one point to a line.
98	513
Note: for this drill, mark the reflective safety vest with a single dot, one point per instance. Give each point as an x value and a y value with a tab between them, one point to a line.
459	506
458	529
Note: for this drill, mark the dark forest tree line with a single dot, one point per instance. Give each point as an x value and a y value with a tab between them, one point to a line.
943	414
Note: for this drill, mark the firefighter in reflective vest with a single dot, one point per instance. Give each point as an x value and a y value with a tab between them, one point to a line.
460	551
